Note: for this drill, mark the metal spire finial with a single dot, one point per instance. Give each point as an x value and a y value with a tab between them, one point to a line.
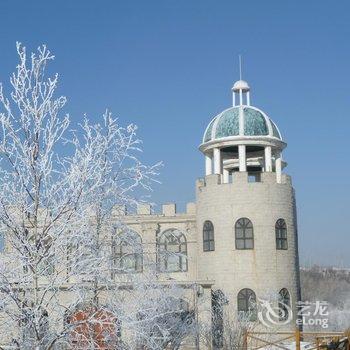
240	67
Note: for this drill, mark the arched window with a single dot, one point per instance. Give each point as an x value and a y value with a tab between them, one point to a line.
172	314
172	251
244	234
246	304
127	252
283	304
208	236
281	235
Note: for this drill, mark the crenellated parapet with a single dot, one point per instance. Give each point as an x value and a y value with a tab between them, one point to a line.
145	210
242	178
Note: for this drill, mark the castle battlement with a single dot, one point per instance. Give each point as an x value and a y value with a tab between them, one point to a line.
145	211
243	178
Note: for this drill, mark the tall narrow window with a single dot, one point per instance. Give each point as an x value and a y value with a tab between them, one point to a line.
46	264
172	251
127	252
281	235
80	258
244	234
283	304
246	304
2	242
218	300
208	236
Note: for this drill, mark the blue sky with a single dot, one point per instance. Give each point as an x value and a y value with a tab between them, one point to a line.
168	66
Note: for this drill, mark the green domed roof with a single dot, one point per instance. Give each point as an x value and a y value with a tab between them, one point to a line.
227	124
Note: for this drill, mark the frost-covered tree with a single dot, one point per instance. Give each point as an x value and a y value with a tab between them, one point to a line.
63	283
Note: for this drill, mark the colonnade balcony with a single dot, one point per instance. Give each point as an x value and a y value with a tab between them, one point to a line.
251	159
242	138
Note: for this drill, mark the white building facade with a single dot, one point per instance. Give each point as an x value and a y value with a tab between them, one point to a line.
239	239
234	248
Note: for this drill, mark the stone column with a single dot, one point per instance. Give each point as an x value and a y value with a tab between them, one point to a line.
226	176
278	167
268	159
217	161
203	310
242	158
149	244
208	164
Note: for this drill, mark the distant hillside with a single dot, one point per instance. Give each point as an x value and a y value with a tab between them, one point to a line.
332	285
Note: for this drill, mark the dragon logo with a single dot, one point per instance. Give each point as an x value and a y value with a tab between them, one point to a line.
270	315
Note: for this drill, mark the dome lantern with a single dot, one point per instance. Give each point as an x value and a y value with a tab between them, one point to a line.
242	138
242	89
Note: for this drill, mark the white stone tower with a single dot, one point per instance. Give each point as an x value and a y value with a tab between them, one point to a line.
246	216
